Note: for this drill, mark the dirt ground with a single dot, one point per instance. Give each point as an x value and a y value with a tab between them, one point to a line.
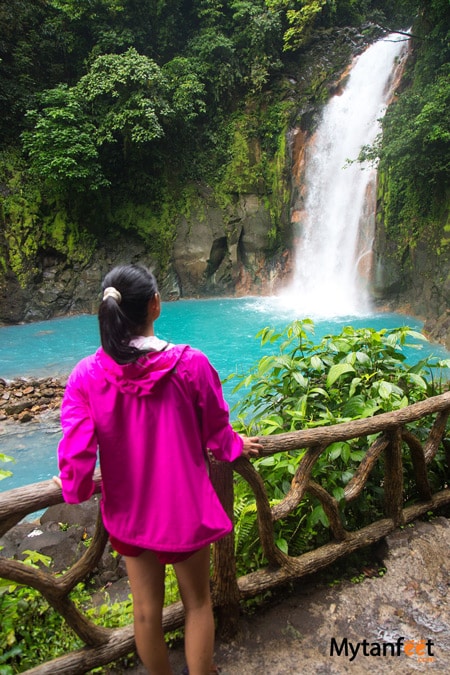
396	623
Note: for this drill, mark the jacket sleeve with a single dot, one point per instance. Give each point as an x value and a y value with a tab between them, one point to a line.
77	450
212	410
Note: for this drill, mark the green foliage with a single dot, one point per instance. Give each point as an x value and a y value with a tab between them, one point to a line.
256	159
4	473
61	143
35	559
356	374
186	90
117	95
76	10
155	226
29	225
244	171
31	628
301	21
302	18
127	94
413	151
277	179
33	632
256	34
124	99
31	59
19	217
216	53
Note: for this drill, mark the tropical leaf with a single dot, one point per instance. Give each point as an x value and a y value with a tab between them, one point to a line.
337	371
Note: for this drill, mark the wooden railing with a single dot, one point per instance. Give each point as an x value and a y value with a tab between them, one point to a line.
393	438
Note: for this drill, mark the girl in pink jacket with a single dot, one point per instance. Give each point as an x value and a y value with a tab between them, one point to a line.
152	410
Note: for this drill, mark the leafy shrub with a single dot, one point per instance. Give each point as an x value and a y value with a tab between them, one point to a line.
4	473
33	632
356	374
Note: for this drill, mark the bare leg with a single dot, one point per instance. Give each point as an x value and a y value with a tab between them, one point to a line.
193	581
146	575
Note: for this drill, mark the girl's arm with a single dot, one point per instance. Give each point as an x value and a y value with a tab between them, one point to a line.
77	450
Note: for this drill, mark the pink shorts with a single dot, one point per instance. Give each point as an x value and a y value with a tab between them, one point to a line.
164	557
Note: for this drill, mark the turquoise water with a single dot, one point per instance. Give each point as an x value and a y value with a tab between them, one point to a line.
224	329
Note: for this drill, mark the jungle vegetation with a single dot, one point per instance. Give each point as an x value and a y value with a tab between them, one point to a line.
111	109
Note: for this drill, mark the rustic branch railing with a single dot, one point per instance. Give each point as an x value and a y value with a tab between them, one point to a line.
104	645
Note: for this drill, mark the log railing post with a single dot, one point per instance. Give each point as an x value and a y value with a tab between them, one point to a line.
226	595
393	477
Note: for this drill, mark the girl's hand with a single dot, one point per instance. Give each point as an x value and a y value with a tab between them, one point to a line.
252	446
57	480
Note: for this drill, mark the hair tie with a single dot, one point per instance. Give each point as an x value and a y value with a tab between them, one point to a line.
112	292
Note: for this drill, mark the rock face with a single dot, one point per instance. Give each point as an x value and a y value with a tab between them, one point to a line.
221	252
216	252
62	289
416	280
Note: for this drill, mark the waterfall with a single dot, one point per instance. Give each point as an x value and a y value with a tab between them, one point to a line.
335	207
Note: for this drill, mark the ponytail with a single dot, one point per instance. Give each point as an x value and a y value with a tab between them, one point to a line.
127	291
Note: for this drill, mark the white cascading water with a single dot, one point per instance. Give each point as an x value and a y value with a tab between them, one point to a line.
336	215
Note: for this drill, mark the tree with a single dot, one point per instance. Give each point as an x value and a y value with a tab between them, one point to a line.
127	96
256	34
300	17
31	59
60	143
414	152
124	99
219	63
186	91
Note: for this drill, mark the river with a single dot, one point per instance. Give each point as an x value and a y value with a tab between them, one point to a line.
224	329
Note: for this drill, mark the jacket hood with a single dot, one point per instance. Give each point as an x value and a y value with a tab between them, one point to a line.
144	374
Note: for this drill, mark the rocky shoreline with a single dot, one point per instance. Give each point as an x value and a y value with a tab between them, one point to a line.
25	399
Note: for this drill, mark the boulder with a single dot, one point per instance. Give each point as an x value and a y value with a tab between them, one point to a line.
62	533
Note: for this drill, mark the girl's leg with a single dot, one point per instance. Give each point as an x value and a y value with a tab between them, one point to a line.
146	575
193	581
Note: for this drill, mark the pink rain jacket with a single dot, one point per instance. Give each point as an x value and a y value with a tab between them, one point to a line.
152	422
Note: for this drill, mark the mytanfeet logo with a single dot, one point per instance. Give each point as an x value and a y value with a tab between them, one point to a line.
421	650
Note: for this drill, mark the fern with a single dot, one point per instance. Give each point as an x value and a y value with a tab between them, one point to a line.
245	525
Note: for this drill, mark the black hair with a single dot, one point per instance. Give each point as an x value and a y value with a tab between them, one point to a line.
121	317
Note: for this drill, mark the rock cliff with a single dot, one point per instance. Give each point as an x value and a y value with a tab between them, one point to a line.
415	277
216	252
